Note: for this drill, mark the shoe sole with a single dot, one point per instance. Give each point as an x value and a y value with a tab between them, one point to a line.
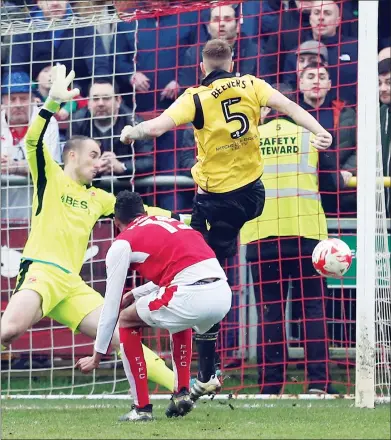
207	392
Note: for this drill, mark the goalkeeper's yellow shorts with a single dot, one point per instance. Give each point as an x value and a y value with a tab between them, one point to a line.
66	298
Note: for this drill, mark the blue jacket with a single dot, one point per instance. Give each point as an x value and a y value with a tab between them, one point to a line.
160	50
343	57
73	47
244	49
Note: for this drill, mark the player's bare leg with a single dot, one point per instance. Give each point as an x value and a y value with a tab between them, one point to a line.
23	311
158	371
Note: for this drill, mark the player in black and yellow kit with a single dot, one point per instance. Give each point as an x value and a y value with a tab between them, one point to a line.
65	209
224	111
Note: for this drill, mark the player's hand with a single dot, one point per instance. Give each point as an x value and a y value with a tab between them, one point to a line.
140	82
170	91
87	364
62	115
322	140
8	165
60	82
126	134
127	300
346	175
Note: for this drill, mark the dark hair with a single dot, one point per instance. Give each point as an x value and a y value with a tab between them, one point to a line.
104	81
74	143
128	206
217	50
384	66
314	65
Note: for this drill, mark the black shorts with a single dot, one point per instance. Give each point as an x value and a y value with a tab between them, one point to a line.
220	217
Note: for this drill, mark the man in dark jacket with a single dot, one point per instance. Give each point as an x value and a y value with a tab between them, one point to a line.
385	121
338	118
103	121
77	48
160	44
222	24
292	30
325	21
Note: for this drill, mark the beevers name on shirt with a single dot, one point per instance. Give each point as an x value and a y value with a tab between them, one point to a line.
228	85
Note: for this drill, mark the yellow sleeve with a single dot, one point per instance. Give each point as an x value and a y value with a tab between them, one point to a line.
182	111
153	210
39	159
108	202
263	90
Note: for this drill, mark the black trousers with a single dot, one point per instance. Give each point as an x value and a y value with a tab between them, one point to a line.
275	261
225	214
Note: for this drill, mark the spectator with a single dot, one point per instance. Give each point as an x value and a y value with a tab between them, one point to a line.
339	120
41	91
222	24
385	122
384	54
10	10
293	29
101	11
76	47
103	121
18	109
342	51
308	52
161	43
332	114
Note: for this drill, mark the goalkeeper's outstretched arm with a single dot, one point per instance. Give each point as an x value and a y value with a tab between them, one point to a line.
38	156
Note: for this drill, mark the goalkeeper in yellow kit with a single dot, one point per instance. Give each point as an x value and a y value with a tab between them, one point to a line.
64	212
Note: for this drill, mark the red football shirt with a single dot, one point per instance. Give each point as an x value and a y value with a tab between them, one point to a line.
162	247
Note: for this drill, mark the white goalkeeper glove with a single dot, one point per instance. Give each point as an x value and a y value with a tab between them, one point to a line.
59	90
127	134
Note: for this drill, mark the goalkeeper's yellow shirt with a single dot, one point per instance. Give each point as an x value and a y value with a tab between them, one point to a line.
63	212
225	112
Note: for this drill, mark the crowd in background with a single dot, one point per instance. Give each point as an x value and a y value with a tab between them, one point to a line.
140	68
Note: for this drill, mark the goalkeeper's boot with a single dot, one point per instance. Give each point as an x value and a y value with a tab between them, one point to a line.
198	389
180	404
138	414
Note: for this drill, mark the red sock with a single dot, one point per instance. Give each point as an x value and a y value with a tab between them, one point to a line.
181	350
134	365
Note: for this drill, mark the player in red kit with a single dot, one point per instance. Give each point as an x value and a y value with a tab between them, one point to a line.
188	290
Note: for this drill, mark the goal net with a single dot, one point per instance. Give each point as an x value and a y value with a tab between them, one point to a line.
132	59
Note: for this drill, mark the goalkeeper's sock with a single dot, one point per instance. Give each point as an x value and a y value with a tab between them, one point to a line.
206	347
181	350
134	365
158	371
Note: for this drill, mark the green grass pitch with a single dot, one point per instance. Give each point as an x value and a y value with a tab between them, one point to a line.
217	419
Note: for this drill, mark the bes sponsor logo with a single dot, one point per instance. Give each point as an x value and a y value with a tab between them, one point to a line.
71	201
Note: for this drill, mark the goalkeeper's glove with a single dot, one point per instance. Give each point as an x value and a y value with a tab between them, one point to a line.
59	90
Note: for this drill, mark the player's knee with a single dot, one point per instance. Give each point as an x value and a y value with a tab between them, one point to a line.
10	331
